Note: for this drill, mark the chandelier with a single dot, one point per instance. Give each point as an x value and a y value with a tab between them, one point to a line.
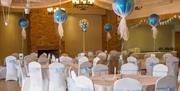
82	4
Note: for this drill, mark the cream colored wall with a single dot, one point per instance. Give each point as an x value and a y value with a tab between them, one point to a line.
10	36
141	37
73	34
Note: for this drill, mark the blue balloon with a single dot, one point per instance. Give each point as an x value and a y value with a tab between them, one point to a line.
107	27
123	7
23	23
60	16
153	20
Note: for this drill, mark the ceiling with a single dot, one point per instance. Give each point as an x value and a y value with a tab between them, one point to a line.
107	4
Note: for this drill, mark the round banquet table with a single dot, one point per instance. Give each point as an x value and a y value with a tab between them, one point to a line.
106	82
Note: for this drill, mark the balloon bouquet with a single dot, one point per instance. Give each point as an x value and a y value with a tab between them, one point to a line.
108	28
153	21
123	8
84	25
23	23
60	17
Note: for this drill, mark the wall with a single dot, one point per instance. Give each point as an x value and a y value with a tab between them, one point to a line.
74	36
141	37
10	36
43	31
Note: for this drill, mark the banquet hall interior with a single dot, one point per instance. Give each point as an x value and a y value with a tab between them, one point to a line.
89	45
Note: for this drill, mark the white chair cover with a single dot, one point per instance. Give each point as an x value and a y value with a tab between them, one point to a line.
99	69
102	56
166	55
179	76
56	77
127	84
129	68
71	81
160	70
66	60
150	62
84	84
53	59
36	82
95	61
172	64
49	56
84	69
11	68
132	60
167	83
82	60
24	80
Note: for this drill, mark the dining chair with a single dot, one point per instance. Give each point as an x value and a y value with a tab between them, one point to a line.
35	73
66	60
172	63
102	56
11	68
127	84
166	83
95	61
150	62
84	84
166	55
129	68
160	70
99	69
57	80
71	81
132	60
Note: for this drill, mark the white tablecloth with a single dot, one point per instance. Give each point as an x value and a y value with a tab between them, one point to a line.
106	82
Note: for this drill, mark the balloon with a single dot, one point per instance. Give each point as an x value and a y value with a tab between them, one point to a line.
84	25
6	3
123	8
107	27
153	20
23	23
60	16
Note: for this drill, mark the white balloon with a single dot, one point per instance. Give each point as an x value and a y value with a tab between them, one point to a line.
6	3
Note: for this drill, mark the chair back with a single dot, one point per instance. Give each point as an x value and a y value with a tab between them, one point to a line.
132	60
160	70
172	64
11	68
84	84
102	55
129	68
82	60
66	60
167	83
99	69
36	82
95	61
57	77
166	55
150	62
53	59
127	84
